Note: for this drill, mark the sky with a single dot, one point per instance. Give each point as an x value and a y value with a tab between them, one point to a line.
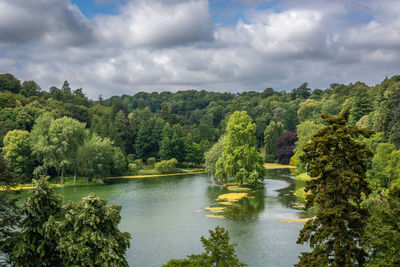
115	47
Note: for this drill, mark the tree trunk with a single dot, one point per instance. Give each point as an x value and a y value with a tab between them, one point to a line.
62	177
74	176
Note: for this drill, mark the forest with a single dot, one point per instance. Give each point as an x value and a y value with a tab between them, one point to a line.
62	133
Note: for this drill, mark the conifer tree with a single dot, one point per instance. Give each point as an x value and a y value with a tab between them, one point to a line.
337	163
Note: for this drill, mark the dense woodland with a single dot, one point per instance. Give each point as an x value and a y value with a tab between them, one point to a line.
61	132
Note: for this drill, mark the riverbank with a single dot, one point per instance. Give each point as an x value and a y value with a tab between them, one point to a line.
153	175
82	181
273	166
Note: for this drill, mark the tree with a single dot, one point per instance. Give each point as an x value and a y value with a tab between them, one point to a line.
377	175
83	233
40	142
9	210
17	151
172	143
88	234
9	83
211	157
382	235
66	135
218	252
32	246
166	166
271	134
193	151
123	135
388	114
305	131
30	88
240	159
337	162
285	146
96	157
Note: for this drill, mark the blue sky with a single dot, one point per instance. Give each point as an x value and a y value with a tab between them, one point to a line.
124	46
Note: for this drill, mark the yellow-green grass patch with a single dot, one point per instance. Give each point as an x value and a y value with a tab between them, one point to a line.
295	220
303	176
215	209
272	166
215	216
232	196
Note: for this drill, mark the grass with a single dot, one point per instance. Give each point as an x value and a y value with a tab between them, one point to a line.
272	166
295	220
300	193
215	209
153	175
303	176
232	196
215	216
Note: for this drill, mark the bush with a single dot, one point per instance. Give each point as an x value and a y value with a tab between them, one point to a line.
139	163
133	168
131	158
166	166
151	162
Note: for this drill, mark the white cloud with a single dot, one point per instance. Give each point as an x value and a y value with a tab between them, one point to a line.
155	23
174	45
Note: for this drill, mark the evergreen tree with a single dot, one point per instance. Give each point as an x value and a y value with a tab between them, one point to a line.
32	246
9	211
337	163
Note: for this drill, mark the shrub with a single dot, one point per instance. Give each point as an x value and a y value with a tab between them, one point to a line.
139	163
166	166
133	168
151	162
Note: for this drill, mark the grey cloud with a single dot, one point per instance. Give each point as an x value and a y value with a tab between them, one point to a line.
47	21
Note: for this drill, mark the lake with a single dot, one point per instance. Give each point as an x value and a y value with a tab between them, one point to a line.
166	217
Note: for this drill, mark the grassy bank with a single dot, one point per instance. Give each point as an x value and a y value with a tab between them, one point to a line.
272	166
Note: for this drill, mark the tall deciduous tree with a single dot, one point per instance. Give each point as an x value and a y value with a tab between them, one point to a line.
382	236
17	151
337	162
240	159
66	135
271	134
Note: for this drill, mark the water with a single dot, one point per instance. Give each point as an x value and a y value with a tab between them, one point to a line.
160	213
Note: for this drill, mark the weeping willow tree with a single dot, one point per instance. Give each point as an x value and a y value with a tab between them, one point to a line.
337	162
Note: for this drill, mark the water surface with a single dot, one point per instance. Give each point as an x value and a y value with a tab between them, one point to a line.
160	213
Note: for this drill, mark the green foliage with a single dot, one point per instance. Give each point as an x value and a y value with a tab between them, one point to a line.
32	246
66	135
9	83
211	156
88	234
9	210
17	151
305	131
218	252
337	162
271	135
151	162
388	114
172	143
166	166
240	160
382	235
96	157
133	168
377	175
83	233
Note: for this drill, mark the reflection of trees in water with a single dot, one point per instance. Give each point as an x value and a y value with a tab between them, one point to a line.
213	191
247	208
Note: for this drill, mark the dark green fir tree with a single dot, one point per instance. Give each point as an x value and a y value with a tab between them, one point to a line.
337	163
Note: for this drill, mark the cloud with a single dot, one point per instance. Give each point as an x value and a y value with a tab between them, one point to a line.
175	45
46	21
157	23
